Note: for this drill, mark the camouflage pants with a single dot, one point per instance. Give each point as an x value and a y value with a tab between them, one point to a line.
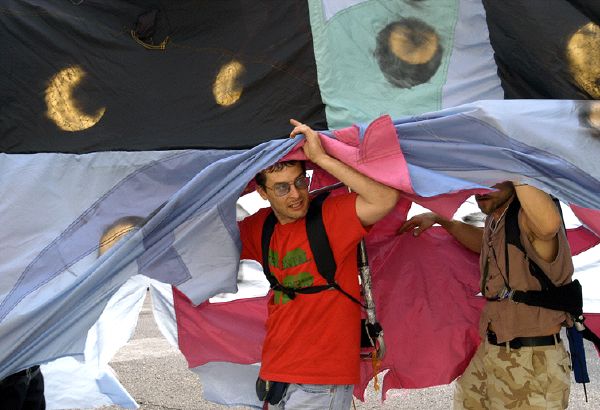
526	378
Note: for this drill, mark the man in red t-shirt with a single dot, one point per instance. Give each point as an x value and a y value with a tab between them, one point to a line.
313	341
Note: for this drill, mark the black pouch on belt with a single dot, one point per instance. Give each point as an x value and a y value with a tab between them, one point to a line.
270	391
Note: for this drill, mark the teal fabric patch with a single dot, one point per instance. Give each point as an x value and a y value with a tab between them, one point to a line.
352	72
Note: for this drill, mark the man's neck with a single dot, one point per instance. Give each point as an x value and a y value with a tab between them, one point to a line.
501	210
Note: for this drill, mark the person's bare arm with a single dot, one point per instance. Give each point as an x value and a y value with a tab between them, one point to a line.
374	201
468	235
540	220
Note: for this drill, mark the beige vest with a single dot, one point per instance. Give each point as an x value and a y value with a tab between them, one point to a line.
509	319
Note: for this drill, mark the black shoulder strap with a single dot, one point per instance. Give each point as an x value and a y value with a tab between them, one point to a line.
511	225
267	232
318	240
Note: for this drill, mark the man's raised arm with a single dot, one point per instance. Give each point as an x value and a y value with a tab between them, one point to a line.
374	201
541	220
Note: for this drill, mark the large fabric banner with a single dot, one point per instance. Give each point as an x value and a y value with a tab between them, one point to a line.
128	131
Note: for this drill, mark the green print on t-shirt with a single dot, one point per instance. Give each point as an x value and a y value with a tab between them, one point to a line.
301	280
295	257
273	258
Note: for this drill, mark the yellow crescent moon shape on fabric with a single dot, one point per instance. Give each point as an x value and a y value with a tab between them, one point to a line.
112	235
62	107
402	43
227	88
583	53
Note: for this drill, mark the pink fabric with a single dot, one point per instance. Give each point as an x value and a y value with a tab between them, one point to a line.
388	226
425	293
589	217
378	155
592	320
445	205
425	290
220	332
581	239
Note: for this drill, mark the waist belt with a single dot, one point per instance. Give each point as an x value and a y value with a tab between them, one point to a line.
519	342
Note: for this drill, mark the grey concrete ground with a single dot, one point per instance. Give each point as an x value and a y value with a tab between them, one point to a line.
155	374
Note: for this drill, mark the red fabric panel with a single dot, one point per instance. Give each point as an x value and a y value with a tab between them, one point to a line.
589	217
220	332
426	301
581	239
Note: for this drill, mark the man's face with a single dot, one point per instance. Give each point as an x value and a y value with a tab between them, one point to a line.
493	201
292	206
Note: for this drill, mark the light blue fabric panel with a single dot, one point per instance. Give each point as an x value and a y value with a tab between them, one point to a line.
542	142
230	384
332	7
353	86
472	73
50	299
71	383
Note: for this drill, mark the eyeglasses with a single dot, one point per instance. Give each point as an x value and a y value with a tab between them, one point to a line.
283	188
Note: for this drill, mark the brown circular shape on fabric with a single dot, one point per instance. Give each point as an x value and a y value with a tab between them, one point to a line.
413	47
583	55
409	52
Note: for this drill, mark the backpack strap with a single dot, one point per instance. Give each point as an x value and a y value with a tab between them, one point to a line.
319	246
267	232
513	237
318	240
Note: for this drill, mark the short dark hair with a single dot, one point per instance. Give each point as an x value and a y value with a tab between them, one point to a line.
261	177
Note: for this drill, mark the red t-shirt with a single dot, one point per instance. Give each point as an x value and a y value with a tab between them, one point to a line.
314	338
